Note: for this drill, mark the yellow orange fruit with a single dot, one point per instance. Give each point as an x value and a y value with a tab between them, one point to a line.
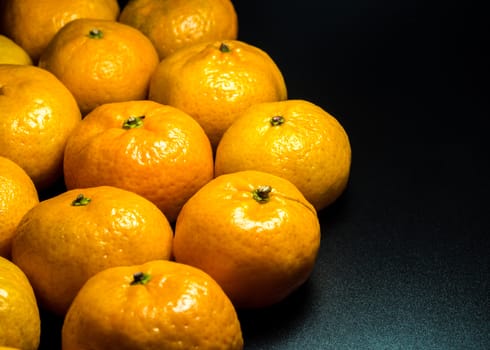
173	24
295	139
32	23
38	113
253	232
157	305
17	195
216	81
101	61
155	150
66	239
20	322
11	53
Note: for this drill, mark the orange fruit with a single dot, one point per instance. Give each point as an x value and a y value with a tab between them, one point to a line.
155	150
253	232
66	239
173	24
156	305
215	81
19	313
101	61
38	113
11	53
17	195
32	23
294	139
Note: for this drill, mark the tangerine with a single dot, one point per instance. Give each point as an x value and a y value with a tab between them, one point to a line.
32	23
216	81
171	25
64	240
101	61
17	195
156	305
19	312
37	113
253	232
294	139
155	150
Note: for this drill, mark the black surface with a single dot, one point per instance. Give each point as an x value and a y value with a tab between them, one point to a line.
404	261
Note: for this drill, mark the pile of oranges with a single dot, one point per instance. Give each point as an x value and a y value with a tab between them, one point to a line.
191	184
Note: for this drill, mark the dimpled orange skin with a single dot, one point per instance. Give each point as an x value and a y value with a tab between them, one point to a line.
173	24
214	82
101	61
37	114
33	23
12	53
180	307
19	313
17	195
59	245
166	160
309	148
258	252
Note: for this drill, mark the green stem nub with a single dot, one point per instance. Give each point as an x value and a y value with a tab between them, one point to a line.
140	278
262	193
95	33
277	120
133	122
224	48
80	201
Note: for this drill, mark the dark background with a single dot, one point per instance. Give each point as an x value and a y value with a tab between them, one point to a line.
404	261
